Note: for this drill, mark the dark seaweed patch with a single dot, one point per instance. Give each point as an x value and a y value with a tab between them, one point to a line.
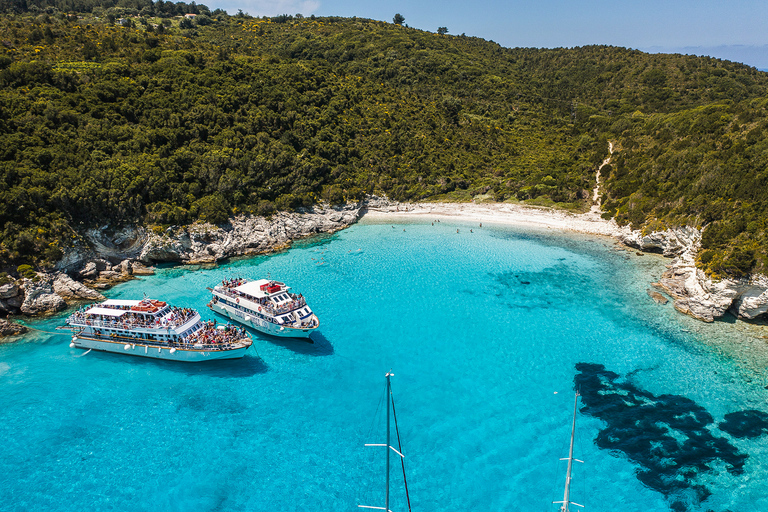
749	424
553	287
666	435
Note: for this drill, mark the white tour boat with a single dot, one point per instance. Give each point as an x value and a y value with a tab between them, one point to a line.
151	328
267	306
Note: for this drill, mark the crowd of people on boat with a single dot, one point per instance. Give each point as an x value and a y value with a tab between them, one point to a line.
265	303
130	320
233	283
212	336
180	316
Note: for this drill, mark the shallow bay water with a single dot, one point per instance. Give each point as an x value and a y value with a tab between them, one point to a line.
486	332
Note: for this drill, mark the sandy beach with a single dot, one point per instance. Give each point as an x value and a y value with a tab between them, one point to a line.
745	342
501	213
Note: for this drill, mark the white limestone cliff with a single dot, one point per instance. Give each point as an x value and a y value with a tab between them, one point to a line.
693	292
113	257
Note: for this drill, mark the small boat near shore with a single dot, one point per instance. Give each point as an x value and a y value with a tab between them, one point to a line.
264	305
152	328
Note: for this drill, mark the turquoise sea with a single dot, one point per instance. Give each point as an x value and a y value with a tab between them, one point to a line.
486	332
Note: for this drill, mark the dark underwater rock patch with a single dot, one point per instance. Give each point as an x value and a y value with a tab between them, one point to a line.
555	287
666	435
748	424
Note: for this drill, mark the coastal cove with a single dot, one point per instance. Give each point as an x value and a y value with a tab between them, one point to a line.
109	257
487	331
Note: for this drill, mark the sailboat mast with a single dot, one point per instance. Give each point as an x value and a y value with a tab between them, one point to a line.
388	446
566	494
389	395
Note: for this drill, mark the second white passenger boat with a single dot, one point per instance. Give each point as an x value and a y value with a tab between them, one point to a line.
266	306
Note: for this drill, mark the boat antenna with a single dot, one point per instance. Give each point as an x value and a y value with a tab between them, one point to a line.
566	495
387	445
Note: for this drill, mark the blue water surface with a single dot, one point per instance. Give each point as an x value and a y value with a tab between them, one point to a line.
483	331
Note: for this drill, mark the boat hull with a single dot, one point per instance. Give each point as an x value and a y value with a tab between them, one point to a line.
155	352
259	324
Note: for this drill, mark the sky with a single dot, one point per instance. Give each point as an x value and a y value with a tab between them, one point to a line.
729	29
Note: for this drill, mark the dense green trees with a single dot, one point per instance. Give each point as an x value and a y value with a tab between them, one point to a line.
105	7
705	166
158	123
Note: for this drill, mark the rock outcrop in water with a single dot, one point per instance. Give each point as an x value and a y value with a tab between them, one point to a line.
693	292
672	242
47	293
111	257
8	328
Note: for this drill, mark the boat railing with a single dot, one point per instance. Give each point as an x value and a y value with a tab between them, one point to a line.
212	336
296	303
301	325
189	343
212	347
288	307
83	319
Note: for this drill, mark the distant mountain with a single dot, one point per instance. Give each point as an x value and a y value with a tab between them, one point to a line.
141	116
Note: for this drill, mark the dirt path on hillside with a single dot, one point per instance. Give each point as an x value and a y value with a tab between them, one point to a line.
596	192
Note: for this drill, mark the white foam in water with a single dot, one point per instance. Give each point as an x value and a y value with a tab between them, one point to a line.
480	329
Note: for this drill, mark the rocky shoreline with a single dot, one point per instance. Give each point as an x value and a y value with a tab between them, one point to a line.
697	295
111	257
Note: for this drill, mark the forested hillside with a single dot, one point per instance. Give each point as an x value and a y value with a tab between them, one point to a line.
138	115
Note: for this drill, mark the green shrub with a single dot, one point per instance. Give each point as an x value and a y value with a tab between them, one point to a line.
212	208
26	271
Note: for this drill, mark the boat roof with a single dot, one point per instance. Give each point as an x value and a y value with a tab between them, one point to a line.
253	288
107	311
119	302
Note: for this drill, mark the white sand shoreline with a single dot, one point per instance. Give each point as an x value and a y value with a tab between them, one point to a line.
703	300
502	213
